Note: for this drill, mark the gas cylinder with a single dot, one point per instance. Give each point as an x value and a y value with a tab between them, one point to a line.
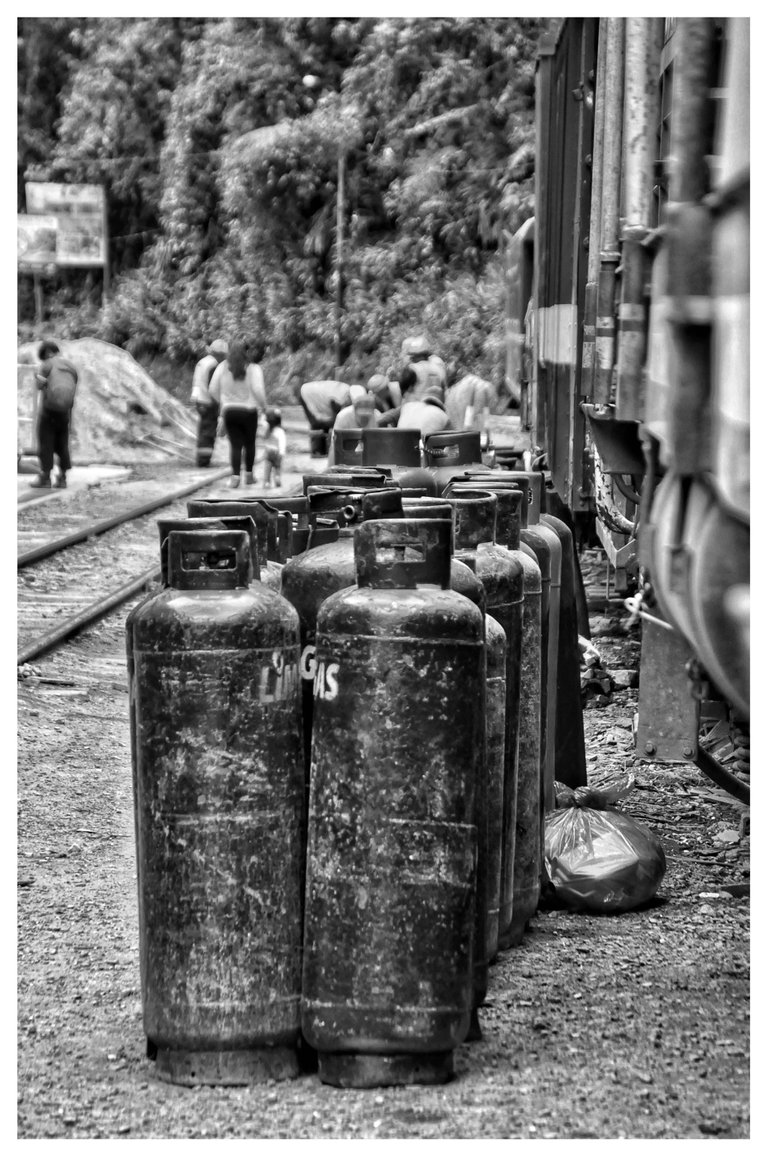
565	754
523	875
219	802
452	452
570	757
495	756
465	581
546	547
387	974
503	576
266	529
399	449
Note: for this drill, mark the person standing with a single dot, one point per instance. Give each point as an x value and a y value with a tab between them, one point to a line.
275	444
207	408
429	368
237	387
57	382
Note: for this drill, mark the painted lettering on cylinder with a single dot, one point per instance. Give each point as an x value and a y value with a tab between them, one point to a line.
326	684
278	680
307	662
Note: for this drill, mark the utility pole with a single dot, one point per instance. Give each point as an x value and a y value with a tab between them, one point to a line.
340	207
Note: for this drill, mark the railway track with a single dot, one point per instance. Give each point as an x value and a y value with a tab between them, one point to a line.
60	587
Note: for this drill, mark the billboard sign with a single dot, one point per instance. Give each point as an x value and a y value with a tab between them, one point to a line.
36	245
79	212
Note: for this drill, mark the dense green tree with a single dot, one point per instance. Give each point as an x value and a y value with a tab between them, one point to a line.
229	132
49	50
113	122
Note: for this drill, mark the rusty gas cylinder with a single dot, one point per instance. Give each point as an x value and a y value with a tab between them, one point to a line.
399	449
548	543
522	880
387	977
219	810
570	759
270	569
465	582
495	755
502	574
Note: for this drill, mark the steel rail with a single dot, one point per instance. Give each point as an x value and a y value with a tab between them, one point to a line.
51	548
91	613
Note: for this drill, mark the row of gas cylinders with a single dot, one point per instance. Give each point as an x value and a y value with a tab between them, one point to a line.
348	711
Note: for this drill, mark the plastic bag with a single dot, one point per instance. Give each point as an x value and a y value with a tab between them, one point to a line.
600	861
596	797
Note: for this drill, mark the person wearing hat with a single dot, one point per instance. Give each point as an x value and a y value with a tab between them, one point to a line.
368	407
429	369
207	408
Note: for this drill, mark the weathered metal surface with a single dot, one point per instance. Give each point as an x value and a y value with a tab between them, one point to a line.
569	749
166	525
495	750
520	882
502	575
392	835
266	529
398	449
667	713
449	453
721	562
219	801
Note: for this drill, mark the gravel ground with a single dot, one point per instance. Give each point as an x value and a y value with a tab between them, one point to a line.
633	1026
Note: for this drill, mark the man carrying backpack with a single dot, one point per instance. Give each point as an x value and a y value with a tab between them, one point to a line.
57	383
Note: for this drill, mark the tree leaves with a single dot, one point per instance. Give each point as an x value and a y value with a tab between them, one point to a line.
219	141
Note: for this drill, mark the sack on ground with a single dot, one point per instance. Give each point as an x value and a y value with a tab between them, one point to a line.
600	861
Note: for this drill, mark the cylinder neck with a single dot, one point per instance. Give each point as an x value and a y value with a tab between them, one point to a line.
403	554
398	446
474	519
453	448
427	508
509	504
166	525
209	560
264	520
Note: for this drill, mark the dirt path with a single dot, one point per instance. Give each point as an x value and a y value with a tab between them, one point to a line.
622	1026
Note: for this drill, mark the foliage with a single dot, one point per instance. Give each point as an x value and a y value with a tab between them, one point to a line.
230	133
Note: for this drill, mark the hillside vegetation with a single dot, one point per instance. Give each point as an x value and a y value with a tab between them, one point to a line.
220	143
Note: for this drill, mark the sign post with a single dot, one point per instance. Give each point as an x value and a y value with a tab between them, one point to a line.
65	226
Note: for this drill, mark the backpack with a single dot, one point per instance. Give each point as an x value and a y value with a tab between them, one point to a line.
59	392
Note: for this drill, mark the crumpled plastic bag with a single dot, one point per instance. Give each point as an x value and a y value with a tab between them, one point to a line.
597	859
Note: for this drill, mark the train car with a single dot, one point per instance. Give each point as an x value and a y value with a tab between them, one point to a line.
631	302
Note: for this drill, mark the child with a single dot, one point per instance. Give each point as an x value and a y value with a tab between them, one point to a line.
274	447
